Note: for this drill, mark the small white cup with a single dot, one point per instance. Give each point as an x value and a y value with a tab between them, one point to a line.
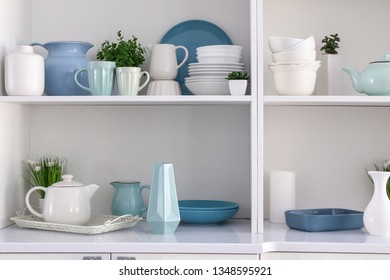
128	79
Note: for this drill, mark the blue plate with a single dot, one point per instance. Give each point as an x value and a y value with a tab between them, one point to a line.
206	205
193	34
325	219
206	217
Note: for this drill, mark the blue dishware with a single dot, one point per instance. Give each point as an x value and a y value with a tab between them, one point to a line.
128	198
193	34
202	217
63	60
324	219
206	205
163	213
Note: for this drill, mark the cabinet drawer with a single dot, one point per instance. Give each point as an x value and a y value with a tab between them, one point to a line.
54	256
120	256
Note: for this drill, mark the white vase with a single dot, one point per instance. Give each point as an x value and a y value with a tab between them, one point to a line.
376	217
24	72
333	71
237	87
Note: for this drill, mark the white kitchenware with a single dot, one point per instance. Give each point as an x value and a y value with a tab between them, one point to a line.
66	202
280	43
288	56
163	61
24	72
208	88
164	87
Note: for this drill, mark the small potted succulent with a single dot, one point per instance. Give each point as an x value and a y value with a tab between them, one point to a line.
238	82
128	56
332	63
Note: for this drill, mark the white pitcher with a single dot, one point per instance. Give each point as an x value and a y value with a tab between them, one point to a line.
163	61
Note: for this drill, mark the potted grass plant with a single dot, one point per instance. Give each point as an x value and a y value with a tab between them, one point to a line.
45	171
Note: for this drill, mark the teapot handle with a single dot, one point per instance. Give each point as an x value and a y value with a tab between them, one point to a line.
40	215
185	56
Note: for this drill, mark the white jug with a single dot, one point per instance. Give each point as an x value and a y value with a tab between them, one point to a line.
163	61
66	202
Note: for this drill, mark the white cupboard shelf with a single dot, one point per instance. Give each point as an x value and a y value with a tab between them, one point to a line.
128	100
319	100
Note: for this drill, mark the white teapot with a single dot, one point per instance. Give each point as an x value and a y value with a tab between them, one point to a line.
66	202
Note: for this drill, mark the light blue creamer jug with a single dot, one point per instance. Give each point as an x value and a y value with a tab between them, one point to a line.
128	198
63	60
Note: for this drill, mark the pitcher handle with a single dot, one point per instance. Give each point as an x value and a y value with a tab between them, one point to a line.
146	81
185	56
34	212
141	187
38	44
77	82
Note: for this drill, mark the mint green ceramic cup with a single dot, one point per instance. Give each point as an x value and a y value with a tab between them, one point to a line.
101	77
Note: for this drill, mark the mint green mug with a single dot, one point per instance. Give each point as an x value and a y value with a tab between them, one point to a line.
101	77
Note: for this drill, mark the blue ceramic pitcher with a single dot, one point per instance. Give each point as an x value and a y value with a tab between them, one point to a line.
63	60
128	198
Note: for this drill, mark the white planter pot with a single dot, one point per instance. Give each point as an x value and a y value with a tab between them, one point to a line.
333	71
237	87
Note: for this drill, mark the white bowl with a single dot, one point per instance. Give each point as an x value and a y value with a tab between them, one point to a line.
307	44
219	58
164	87
288	56
208	88
295	82
278	43
295	66
230	48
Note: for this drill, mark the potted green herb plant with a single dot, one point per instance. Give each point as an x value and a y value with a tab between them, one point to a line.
238	82
129	55
332	63
45	171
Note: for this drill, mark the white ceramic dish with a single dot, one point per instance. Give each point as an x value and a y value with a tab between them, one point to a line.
164	87
219	58
282	67
288	56
208	88
295	82
234	48
307	44
208	64
280	43
211	73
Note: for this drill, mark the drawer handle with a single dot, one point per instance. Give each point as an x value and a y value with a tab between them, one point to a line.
126	258
92	258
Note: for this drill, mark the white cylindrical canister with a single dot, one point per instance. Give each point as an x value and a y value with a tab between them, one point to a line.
282	195
24	72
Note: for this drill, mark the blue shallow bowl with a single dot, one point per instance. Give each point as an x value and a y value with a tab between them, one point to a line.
324	219
206	205
201	217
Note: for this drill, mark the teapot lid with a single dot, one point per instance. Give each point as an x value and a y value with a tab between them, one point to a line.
384	59
67	182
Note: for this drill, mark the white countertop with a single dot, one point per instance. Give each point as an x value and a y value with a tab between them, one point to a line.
232	237
229	238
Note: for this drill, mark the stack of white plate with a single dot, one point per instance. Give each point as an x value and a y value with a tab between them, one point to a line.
208	76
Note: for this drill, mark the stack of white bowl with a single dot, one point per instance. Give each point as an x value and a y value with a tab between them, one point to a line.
294	66
215	62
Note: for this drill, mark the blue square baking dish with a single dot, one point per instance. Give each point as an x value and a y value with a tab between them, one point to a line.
324	219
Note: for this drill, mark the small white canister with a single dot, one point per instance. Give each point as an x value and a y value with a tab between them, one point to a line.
24	72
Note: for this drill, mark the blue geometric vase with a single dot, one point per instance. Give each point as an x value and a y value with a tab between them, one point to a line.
163	215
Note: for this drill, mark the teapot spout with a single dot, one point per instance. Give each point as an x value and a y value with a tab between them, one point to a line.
355	78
